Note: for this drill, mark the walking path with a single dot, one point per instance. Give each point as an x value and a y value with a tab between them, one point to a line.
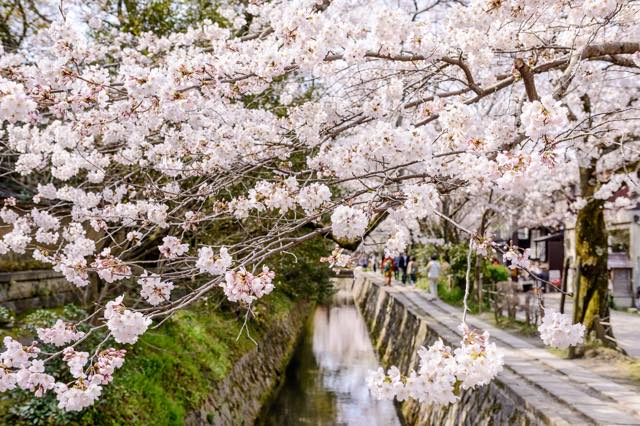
564	391
626	326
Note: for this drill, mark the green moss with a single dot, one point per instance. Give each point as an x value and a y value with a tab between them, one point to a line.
591	248
169	372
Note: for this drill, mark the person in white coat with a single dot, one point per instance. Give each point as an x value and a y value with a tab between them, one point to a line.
433	273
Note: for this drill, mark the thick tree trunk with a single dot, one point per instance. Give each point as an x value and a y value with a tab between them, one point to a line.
592	248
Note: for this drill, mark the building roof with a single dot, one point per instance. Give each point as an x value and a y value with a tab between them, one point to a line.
558	236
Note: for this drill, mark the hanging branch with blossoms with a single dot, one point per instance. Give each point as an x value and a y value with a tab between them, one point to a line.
309	120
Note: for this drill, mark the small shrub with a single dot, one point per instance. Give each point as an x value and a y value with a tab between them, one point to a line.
73	313
495	273
39	319
451	296
38	411
6	316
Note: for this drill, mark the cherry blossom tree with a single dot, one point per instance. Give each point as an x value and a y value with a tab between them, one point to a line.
301	119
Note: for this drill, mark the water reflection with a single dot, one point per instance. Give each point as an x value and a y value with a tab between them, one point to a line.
325	382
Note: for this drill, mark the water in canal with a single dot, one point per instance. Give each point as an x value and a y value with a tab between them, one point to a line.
325	381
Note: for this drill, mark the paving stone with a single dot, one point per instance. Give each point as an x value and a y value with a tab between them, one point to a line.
607	414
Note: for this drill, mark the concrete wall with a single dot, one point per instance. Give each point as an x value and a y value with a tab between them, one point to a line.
397	333
20	291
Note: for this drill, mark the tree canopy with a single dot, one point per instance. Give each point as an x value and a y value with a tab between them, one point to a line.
292	120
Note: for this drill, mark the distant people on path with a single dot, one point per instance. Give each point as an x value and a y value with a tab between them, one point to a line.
543	275
433	273
374	262
412	269
540	276
514	275
404	265
387	268
396	266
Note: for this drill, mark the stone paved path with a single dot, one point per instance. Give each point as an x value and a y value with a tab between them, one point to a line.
564	391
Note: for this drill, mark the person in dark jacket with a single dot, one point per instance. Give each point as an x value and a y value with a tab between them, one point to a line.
396	267
412	271
404	264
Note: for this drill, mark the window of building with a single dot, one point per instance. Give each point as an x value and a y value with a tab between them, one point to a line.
541	249
535	234
619	240
523	233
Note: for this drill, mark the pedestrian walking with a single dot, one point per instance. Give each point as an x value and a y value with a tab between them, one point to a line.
404	265
433	273
387	268
396	267
412	268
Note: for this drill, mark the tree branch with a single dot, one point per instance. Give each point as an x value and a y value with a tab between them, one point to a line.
527	77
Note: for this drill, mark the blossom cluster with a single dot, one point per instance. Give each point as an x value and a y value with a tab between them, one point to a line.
546	117
154	290
312	197
17	368
442	372
348	222
398	242
59	334
172	247
110	268
212	264
87	388
15	104
243	286
125	325
483	246
558	330
337	258
281	196
516	258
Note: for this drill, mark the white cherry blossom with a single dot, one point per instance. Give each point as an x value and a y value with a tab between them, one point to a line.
125	325
59	334
154	290
348	222
212	264
558	330
172	247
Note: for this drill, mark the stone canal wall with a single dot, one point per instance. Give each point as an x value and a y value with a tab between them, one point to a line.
241	396
20	291
399	328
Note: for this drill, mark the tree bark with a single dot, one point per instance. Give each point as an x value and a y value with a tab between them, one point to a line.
592	248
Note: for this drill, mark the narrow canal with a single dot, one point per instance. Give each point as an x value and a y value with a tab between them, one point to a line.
325	381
